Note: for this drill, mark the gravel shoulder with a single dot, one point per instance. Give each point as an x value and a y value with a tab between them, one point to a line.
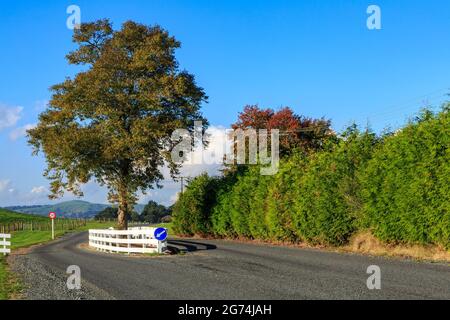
42	281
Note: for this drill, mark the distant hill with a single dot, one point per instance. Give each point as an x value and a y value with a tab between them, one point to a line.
7	216
69	209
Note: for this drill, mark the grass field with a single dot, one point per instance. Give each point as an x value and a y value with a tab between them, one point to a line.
7	216
168	226
23	239
5	287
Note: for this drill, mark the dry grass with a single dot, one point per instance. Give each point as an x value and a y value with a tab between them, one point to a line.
366	243
361	243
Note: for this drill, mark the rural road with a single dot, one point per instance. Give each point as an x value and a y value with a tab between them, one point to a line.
225	270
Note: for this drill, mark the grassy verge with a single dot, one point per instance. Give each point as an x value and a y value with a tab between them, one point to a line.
9	285
366	243
168	226
23	239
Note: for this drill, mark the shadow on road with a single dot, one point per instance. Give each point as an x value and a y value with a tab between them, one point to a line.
190	246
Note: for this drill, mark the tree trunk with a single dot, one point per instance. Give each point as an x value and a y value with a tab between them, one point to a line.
122	218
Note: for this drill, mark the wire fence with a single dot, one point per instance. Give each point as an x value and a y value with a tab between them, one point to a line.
60	224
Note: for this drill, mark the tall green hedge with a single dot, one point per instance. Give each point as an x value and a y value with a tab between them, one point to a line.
191	211
328	203
407	184
396	185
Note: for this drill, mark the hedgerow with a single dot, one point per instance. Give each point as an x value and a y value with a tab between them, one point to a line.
191	211
328	202
396	185
407	184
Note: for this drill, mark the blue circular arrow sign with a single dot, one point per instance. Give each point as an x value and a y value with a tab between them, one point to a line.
160	234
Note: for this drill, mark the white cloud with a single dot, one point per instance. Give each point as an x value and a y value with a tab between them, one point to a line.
9	116
7	192
95	193
4	185
209	159
174	198
20	131
201	160
39	190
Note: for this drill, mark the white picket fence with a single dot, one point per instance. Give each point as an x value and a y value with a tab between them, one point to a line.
5	243
133	240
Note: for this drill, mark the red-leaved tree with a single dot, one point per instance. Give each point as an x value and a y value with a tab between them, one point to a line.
296	132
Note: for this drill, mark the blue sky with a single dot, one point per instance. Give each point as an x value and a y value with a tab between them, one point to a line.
318	57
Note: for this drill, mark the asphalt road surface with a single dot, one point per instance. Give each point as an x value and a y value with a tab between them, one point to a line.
225	270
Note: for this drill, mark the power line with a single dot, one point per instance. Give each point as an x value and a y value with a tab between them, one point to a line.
432	96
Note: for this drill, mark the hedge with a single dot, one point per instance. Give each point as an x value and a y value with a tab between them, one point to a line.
396	185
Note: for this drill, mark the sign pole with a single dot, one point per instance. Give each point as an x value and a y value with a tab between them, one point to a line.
52	216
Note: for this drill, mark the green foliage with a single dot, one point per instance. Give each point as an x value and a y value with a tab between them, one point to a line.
154	212
282	193
397	185
111	213
407	184
240	199
7	284
220	219
328	202
7	216
113	121
257	219
192	210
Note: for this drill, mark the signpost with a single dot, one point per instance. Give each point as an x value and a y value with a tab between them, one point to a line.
52	217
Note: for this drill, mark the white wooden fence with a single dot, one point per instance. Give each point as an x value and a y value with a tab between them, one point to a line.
4	243
133	240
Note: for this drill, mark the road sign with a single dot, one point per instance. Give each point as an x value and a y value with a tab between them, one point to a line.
52	216
160	234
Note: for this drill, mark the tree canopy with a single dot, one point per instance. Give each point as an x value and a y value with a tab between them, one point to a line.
296	132
112	213
113	121
154	212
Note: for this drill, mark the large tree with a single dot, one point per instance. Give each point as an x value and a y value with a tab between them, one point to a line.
154	212
113	121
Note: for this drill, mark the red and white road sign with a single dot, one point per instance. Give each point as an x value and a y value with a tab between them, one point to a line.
52	215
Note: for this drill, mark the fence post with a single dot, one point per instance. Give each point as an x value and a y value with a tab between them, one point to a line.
129	245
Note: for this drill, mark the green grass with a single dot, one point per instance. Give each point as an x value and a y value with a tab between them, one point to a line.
7	216
24	239
8	285
168	226
4	277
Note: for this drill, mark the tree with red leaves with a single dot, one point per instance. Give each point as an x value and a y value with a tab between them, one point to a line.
296	132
